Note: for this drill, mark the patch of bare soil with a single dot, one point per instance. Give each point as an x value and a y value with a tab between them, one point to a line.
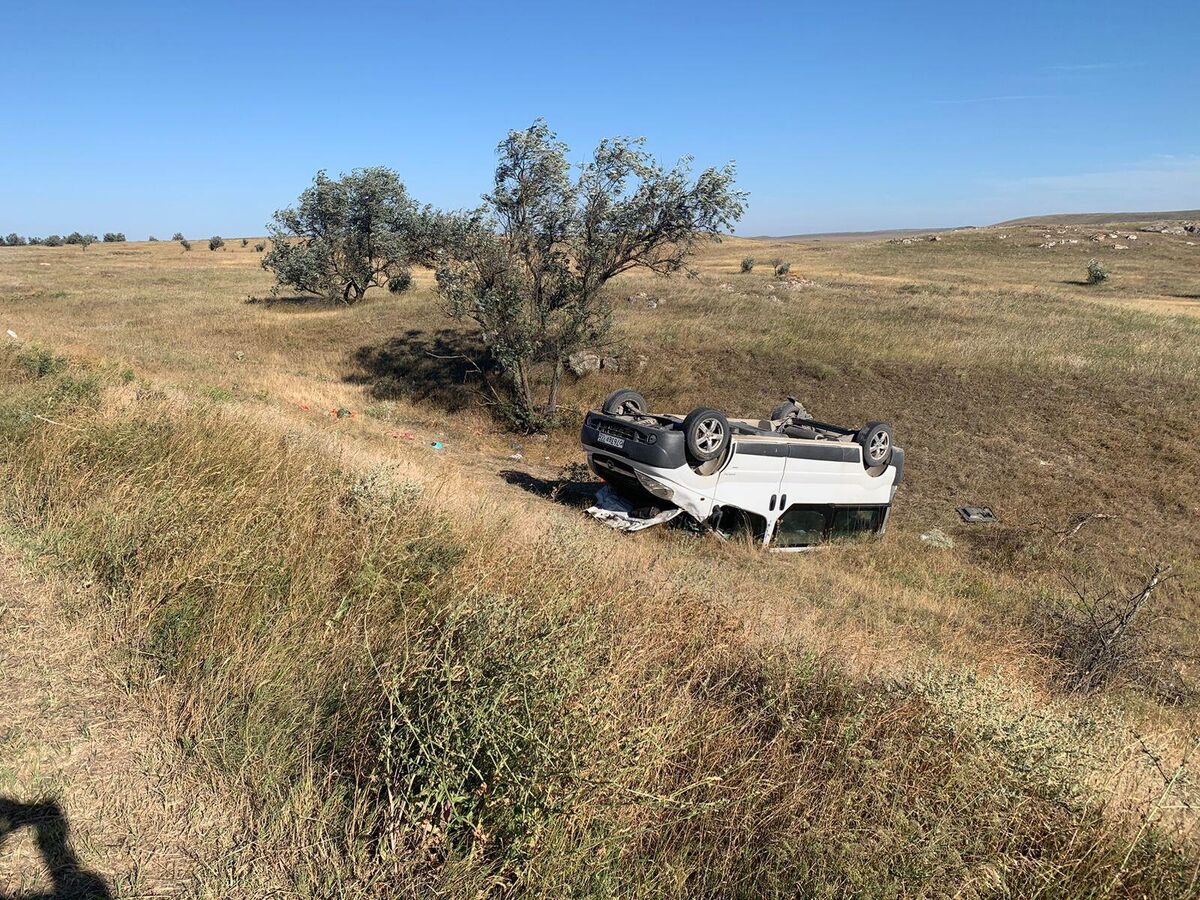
93	802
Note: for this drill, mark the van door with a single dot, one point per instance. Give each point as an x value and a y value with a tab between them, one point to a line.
752	478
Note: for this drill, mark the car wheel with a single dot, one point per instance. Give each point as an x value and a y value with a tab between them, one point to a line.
875	438
706	433
788	410
625	402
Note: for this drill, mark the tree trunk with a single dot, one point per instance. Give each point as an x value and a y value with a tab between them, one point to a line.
552	402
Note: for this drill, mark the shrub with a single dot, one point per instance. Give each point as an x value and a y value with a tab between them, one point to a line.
1102	637
260	247
54	240
114	237
245	241
34	240
781	267
1096	272
14	240
152	239
177	236
349	234
747	263
215	243
529	267
185	244
400	282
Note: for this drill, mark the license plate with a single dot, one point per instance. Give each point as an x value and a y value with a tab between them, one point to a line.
610	440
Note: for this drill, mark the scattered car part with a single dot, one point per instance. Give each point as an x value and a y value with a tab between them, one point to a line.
976	515
617	512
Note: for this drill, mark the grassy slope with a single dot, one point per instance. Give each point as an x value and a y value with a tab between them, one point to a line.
1105	218
983	351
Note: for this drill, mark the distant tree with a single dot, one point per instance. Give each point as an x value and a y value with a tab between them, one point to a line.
73	238
215	243
14	240
349	234
530	266
1096	272
185	243
114	237
245	241
177	236
54	240
34	240
747	263
260	247
152	239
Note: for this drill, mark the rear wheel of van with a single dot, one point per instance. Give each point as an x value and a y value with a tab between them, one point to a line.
875	438
706	434
625	402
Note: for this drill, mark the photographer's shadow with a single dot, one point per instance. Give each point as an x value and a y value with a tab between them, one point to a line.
68	879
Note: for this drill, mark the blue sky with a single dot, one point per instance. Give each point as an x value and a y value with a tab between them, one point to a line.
205	118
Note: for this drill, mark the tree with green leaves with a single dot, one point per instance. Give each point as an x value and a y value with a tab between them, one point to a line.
14	240
349	234
114	237
531	265
216	242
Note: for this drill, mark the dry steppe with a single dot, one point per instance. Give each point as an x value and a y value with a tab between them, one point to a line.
1070	408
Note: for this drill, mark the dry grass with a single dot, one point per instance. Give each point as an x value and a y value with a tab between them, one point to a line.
1007	383
420	698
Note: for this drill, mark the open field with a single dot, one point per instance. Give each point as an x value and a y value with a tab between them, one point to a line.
212	424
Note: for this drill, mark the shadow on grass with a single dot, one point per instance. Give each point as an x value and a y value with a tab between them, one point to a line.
295	301
445	367
69	880
570	490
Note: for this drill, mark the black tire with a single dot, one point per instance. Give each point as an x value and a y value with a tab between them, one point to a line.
625	402
789	409
875	438
706	433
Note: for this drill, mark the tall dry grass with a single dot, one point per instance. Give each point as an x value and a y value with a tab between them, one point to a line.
417	703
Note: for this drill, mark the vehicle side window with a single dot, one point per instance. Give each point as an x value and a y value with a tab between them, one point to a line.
801	526
851	520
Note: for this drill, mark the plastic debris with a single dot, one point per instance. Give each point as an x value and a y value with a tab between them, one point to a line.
616	512
12	334
977	515
438	445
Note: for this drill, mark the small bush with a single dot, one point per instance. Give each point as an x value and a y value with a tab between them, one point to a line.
748	264
152	239
399	283
781	267
245	241
114	237
1096	272
177	236
260	247
54	240
185	244
215	243
1103	638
